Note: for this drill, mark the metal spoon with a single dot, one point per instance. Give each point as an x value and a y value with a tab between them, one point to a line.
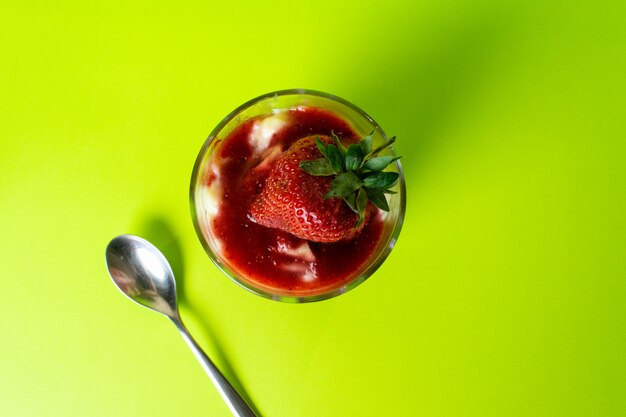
141	272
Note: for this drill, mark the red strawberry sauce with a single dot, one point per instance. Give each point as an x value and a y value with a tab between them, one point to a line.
258	252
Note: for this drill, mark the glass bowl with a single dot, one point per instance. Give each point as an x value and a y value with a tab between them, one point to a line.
204	210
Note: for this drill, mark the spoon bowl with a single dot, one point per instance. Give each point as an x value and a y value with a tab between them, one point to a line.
143	274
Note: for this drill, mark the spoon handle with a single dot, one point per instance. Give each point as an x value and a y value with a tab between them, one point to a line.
235	402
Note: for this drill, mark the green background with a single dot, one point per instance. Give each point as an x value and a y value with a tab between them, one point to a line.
505	295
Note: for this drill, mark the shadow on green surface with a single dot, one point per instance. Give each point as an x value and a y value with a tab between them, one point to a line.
430	80
159	231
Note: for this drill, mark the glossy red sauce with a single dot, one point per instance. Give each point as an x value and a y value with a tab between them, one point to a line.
251	249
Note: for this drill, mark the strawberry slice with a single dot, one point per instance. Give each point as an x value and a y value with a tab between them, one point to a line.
320	191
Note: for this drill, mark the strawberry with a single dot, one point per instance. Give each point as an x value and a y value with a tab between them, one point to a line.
320	191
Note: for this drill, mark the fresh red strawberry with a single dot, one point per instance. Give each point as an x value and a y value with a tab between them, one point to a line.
294	200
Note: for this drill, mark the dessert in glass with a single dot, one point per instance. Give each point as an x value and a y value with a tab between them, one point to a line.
297	196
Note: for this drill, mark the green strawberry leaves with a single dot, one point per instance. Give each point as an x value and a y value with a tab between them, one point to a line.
354	157
318	167
366	143
380	162
344	184
332	154
382	180
377	197
358	172
361	203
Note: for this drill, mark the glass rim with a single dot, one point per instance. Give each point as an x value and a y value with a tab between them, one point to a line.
381	254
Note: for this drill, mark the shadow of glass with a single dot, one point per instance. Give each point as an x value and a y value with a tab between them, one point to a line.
160	232
430	81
